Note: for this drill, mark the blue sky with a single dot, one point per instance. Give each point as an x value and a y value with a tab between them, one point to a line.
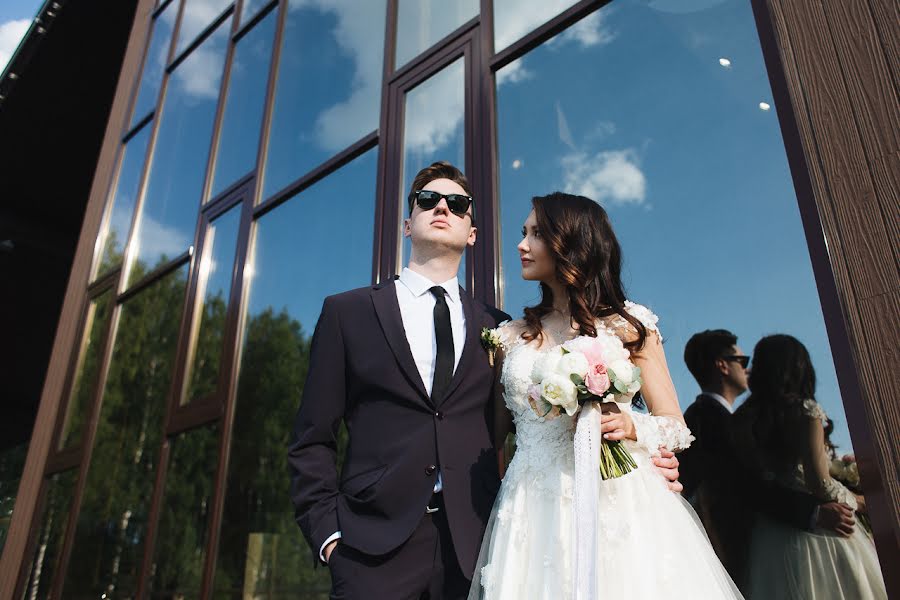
15	17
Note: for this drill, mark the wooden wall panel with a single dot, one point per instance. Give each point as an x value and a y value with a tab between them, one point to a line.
836	64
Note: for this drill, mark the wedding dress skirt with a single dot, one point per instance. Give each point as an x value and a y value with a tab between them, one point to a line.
649	542
790	564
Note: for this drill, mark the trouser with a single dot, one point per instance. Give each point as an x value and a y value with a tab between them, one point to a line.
423	567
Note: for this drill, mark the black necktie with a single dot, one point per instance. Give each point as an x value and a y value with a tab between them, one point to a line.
443	362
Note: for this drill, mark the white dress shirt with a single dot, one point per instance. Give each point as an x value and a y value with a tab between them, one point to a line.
721	399
417	312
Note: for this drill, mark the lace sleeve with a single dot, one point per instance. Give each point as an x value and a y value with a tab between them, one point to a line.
511	334
655	432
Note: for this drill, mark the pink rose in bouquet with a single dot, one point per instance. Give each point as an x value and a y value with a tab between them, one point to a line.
597	379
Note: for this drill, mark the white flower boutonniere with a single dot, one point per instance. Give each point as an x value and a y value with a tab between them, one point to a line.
491	340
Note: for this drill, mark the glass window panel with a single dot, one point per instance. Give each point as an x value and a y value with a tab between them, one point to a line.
155	63
180	549
422	23
261	551
112	522
89	361
128	185
197	16
178	168
328	93
250	9
51	535
213	289
513	19
12	464
697	187
239	139
433	130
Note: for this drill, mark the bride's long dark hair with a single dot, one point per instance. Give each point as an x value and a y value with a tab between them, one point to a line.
781	378
588	259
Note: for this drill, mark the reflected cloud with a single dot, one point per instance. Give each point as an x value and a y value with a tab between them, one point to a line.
153	240
611	176
435	111
588	32
199	75
514	72
339	126
11	33
198	14
682	6
565	134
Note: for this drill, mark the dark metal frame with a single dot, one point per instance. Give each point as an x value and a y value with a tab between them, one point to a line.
473	41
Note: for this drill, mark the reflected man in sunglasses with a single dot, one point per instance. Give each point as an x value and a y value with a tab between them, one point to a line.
401	364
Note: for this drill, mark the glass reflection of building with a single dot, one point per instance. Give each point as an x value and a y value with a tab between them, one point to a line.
262	165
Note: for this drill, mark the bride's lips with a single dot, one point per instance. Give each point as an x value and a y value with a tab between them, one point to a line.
525	261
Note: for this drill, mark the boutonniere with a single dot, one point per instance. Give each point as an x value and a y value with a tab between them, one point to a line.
491	341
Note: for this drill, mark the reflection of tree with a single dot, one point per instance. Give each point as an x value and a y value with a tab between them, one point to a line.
12	462
261	551
204	371
109	537
50	538
183	524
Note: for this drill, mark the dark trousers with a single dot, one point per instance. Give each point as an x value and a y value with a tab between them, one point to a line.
424	567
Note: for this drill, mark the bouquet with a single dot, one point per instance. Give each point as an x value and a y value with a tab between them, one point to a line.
587	369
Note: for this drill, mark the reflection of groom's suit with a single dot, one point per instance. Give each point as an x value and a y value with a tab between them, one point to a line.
725	492
403	445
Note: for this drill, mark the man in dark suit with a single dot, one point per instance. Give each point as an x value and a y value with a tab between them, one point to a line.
723	490
402	365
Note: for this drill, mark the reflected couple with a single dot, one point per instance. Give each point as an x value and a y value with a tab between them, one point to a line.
403	365
765	479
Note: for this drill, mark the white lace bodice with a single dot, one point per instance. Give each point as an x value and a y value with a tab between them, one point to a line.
549	441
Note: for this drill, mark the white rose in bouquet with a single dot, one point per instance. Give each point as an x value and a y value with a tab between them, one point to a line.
560	391
545	365
573	363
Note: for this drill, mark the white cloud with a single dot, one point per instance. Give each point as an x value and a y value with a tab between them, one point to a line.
565	134
600	130
434	111
153	239
610	176
200	74
514	72
515	18
342	124
590	31
11	33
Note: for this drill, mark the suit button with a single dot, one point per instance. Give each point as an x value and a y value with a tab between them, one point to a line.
439	414
430	469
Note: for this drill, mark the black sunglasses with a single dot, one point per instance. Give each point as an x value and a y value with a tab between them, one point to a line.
742	360
428	199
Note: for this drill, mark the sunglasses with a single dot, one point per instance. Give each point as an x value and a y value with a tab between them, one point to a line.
428	199
742	360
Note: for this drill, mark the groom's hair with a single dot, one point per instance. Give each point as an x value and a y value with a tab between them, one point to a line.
704	349
437	170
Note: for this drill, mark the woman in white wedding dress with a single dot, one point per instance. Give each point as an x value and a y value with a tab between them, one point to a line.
781	431
556	536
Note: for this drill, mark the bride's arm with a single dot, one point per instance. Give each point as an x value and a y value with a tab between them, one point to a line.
815	466
503	423
664	427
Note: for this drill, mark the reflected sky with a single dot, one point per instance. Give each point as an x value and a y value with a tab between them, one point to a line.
316	244
198	14
328	93
239	140
433	130
422	23
633	108
155	63
213	291
123	200
178	169
513	19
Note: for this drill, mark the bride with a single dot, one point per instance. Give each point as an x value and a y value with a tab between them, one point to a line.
557	530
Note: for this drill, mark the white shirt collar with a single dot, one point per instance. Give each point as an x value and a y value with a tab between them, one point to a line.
418	284
721	400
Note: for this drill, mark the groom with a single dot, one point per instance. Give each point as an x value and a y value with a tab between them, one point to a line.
402	365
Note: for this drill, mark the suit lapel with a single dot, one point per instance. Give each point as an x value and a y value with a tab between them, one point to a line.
472	345
388	310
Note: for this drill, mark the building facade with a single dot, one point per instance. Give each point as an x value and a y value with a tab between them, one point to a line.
257	157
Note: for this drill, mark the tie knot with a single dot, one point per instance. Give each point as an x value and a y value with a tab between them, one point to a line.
438	292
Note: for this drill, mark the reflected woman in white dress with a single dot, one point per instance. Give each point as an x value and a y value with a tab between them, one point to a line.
557	531
780	430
